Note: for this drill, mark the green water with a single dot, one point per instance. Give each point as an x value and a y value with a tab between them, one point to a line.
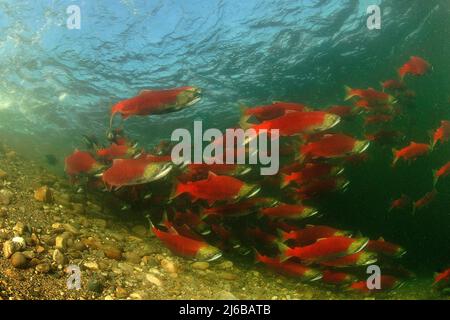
58	85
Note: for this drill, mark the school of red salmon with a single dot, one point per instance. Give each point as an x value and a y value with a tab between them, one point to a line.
201	211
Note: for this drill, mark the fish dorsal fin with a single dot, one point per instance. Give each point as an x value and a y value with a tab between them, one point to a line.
381	239
168	224
144	91
117	161
172	230
211	175
165	219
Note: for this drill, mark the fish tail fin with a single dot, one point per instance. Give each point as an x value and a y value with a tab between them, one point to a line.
436	281
115	109
167	224
108	186
402	72
202	214
285	181
282	235
391	208
90	142
98	167
152	226
165	220
243	120
282	248
394	152
301	155
258	257
177	189
348	93
414	209
435	178
111	119
433	142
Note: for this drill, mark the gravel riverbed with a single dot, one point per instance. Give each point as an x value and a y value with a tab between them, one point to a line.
45	228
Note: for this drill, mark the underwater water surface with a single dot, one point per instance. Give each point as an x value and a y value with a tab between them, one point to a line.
58	84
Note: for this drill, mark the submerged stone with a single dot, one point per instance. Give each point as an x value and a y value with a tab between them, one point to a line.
5	197
19	260
43	194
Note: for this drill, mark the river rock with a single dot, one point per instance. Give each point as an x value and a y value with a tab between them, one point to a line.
112	252
91	265
226	265
132	257
153	279
79	246
29	254
21	228
34	262
168	266
226	295
121	293
3	174
139	230
228	276
59	257
43	194
62	241
126	267
12	246
200	265
19	242
11	155
18	260
35	239
4	235
5	197
43	268
40	249
9	248
70	228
